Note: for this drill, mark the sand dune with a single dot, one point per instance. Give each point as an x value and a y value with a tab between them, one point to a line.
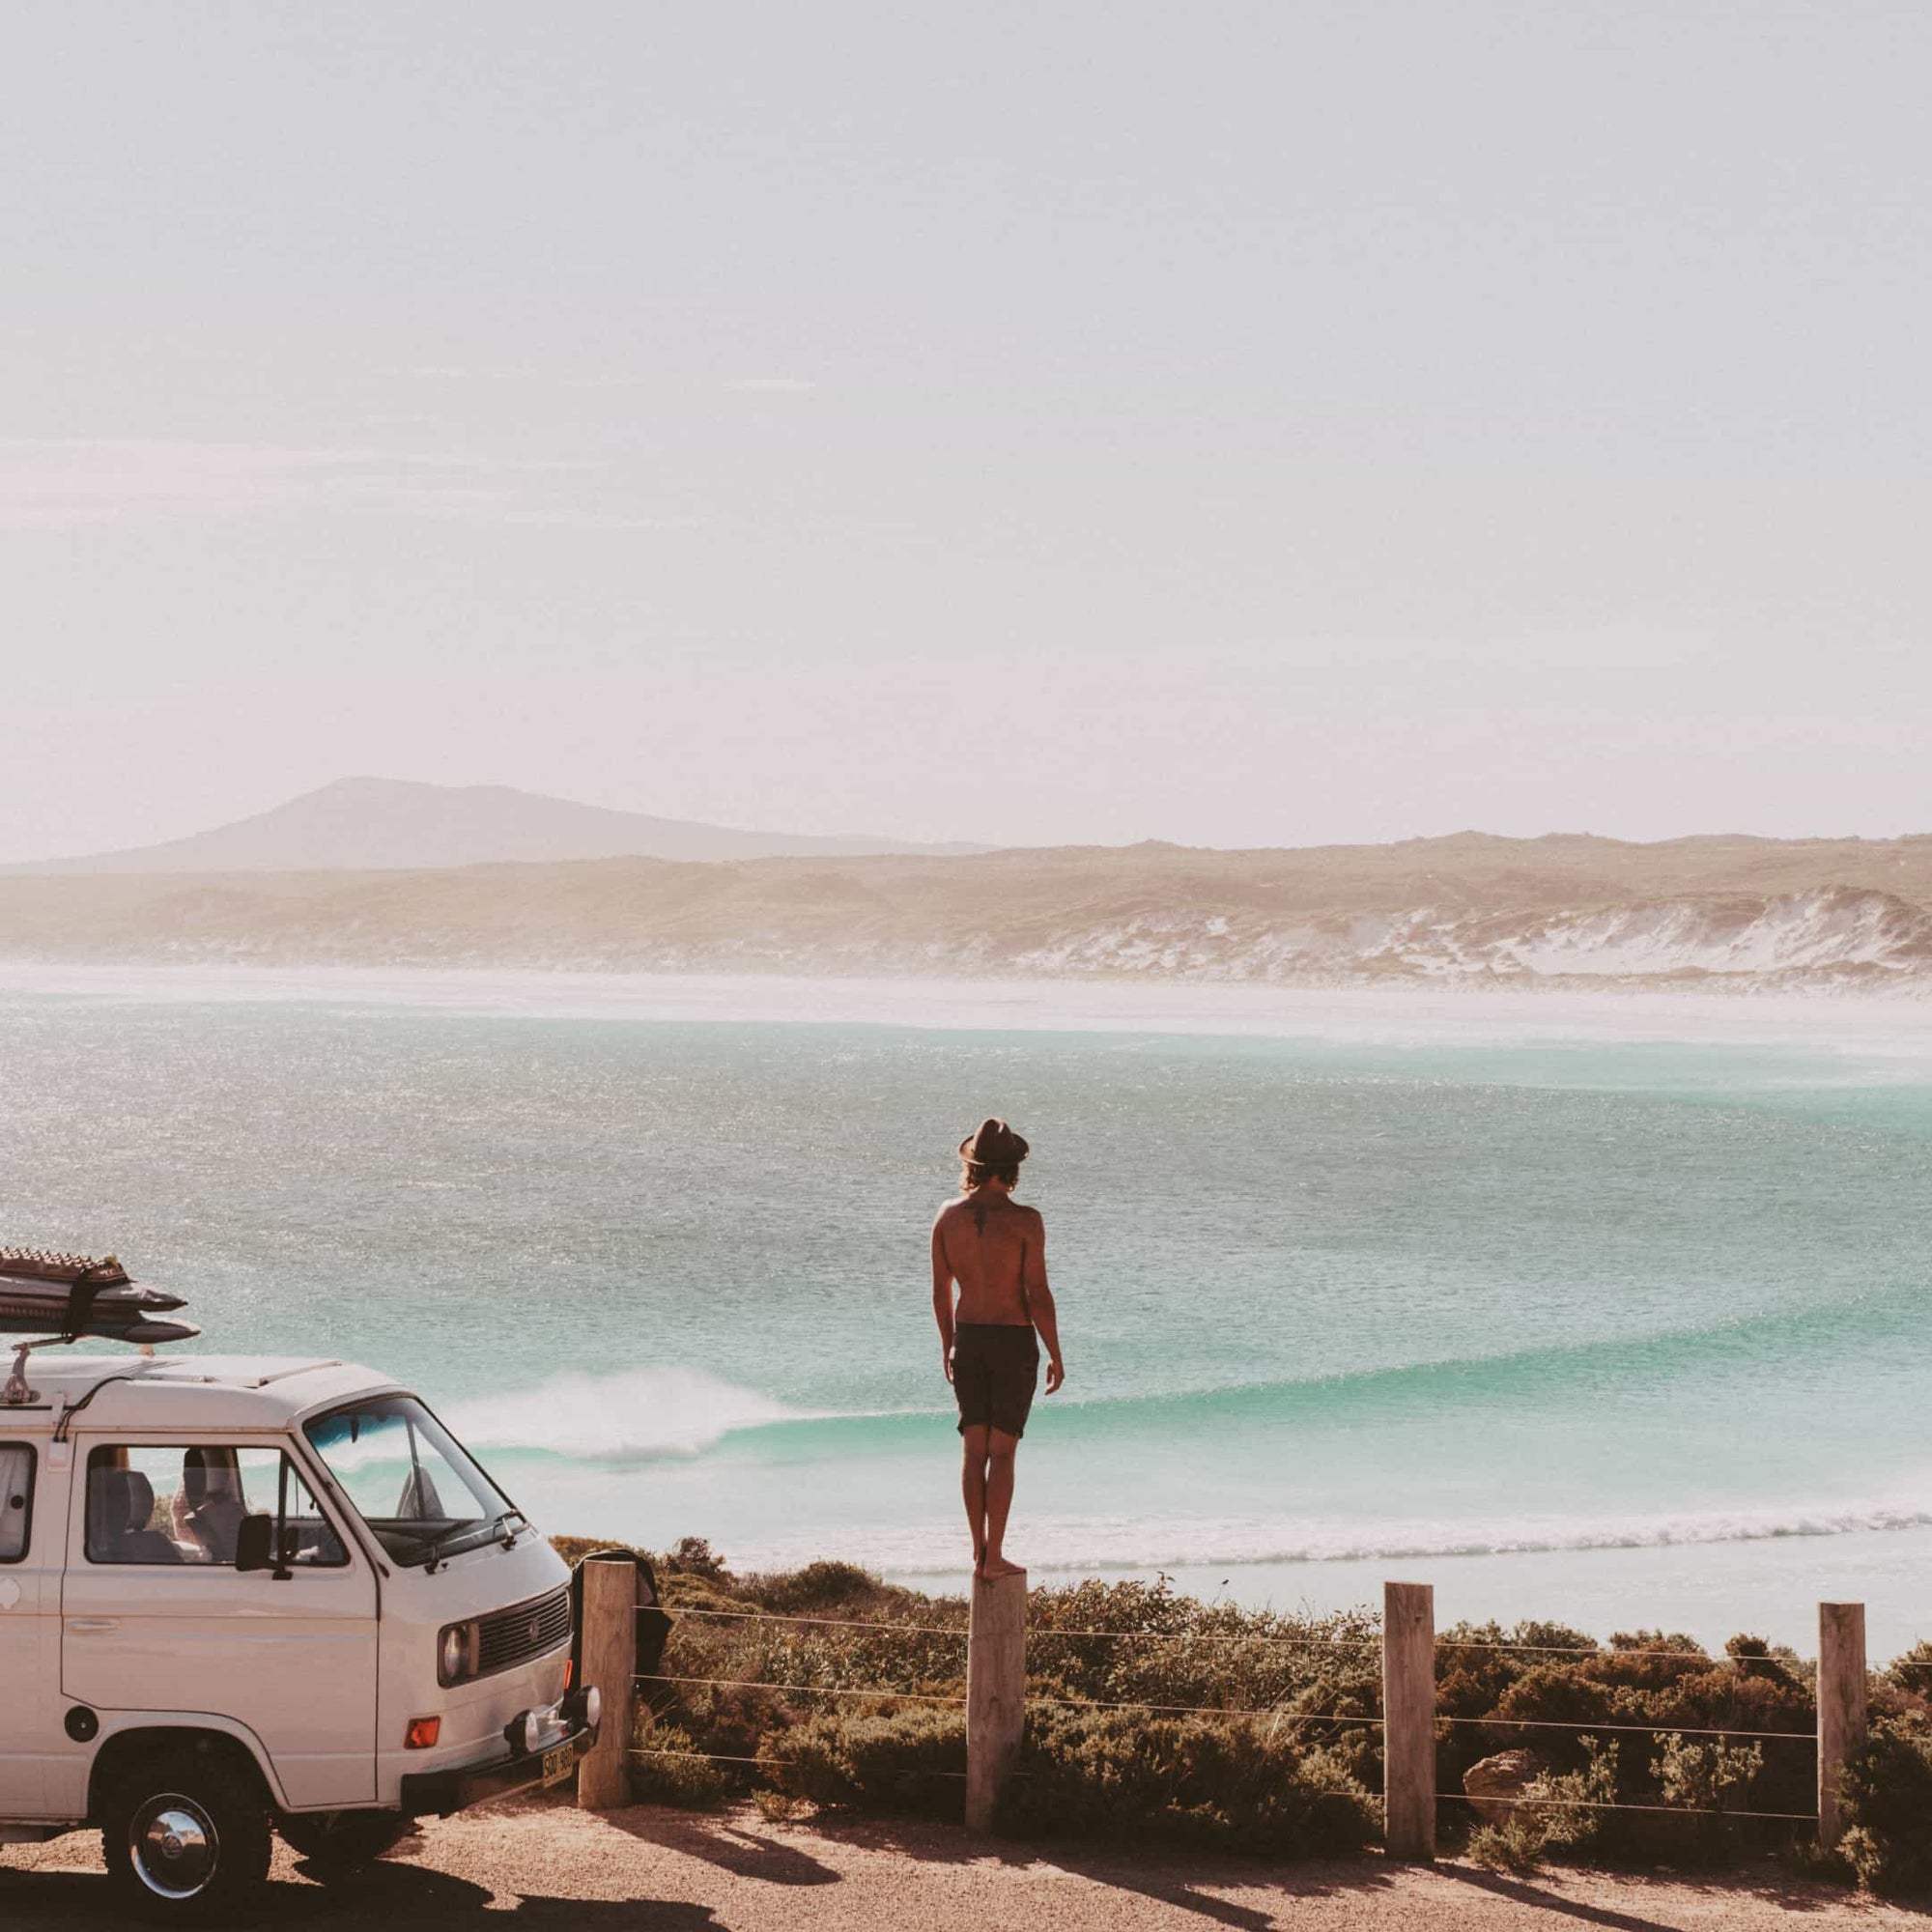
1471	907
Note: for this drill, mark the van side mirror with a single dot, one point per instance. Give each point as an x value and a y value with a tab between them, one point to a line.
255	1545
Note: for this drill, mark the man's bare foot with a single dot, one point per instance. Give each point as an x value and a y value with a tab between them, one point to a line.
978	1559
993	1568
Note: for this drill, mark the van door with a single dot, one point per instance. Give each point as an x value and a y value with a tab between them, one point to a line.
156	1617
29	1594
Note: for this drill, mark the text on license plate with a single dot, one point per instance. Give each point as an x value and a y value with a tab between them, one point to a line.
560	1761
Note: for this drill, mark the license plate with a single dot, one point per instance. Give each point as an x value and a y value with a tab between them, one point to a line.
560	1761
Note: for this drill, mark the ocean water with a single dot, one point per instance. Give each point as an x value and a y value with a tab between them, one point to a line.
1576	1312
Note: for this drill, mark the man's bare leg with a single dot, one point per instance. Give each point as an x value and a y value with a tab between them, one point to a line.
973	1487
1000	1452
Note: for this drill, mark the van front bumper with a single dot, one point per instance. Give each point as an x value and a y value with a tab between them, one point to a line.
456	1787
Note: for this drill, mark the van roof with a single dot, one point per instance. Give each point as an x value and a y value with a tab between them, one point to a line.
187	1391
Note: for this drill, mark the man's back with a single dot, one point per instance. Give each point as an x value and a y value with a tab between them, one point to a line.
996	1251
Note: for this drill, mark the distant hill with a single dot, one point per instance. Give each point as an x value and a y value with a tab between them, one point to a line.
358	825
1739	912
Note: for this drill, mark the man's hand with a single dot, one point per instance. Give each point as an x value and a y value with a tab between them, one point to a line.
1056	1374
945	1358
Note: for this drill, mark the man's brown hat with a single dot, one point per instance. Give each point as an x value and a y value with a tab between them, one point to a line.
993	1143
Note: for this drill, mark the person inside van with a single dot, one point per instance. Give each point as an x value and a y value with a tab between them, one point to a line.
208	1508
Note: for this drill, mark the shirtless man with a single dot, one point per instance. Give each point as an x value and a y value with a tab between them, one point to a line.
996	1251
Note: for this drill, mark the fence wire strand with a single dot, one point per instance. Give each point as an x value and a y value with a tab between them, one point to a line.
1032	1630
1618	1804
779	1762
1207	1710
1067	1703
809	1689
1656	1730
825	1623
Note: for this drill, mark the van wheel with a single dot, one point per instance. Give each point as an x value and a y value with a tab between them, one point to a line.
186	1839
340	1841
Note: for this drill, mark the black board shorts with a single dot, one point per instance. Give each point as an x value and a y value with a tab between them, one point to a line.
995	1370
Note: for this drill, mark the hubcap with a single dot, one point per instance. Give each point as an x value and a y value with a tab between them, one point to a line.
175	1846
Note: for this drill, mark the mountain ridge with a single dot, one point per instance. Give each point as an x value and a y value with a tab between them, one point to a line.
374	824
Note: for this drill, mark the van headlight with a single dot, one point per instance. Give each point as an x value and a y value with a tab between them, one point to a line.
456	1654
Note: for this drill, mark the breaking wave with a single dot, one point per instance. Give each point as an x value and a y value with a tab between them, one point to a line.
632	1416
639	1414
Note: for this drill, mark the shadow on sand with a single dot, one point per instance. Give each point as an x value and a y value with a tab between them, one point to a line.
1182	1882
385	1895
728	1842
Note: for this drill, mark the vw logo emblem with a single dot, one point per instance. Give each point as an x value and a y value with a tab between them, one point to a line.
535	1630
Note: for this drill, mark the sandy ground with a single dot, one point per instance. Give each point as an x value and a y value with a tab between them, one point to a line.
639	1870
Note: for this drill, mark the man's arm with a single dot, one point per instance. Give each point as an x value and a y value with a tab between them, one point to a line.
1039	1302
942	1298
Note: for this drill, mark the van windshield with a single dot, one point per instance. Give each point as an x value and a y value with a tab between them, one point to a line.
419	1490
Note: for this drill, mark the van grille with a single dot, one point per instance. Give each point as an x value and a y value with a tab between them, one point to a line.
508	1637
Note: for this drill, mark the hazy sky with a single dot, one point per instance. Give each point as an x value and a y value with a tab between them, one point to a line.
1235	424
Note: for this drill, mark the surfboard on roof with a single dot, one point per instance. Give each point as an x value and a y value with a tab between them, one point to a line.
45	1292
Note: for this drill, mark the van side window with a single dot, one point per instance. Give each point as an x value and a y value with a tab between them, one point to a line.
149	1503
16	1500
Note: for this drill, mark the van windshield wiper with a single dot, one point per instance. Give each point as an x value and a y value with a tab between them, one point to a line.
472	1535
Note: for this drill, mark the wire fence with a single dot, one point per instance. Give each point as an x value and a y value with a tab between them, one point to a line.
1447	1648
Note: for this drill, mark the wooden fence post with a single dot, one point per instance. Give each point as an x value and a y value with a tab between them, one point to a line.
1408	1719
610	1653
1841	1705
995	1692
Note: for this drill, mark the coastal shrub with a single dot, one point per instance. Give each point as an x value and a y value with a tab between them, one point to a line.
818	1586
910	1761
693	1556
1498	1689
1154	1715
667	1771
1886	1796
1229	1782
779	1808
1568	1821
1516	1845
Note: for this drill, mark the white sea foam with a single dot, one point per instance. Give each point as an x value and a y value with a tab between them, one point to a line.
1084	1545
634	1414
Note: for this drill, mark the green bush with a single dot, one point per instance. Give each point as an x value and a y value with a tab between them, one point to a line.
1268	1753
908	1761
662	1774
1569	1821
1886	1798
1231	1783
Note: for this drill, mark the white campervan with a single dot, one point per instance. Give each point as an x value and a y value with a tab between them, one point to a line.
238	1595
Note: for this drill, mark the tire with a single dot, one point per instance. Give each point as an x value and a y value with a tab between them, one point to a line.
186	1836
342	1841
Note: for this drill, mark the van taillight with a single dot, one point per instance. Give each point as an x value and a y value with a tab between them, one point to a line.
423	1733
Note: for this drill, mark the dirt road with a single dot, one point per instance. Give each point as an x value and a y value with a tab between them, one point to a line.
535	1863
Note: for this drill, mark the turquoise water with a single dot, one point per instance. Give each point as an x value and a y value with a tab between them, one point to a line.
1333	1306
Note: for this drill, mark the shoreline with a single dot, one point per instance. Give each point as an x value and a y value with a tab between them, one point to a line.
1388	1014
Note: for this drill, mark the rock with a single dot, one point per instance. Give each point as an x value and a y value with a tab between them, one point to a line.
1490	1780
